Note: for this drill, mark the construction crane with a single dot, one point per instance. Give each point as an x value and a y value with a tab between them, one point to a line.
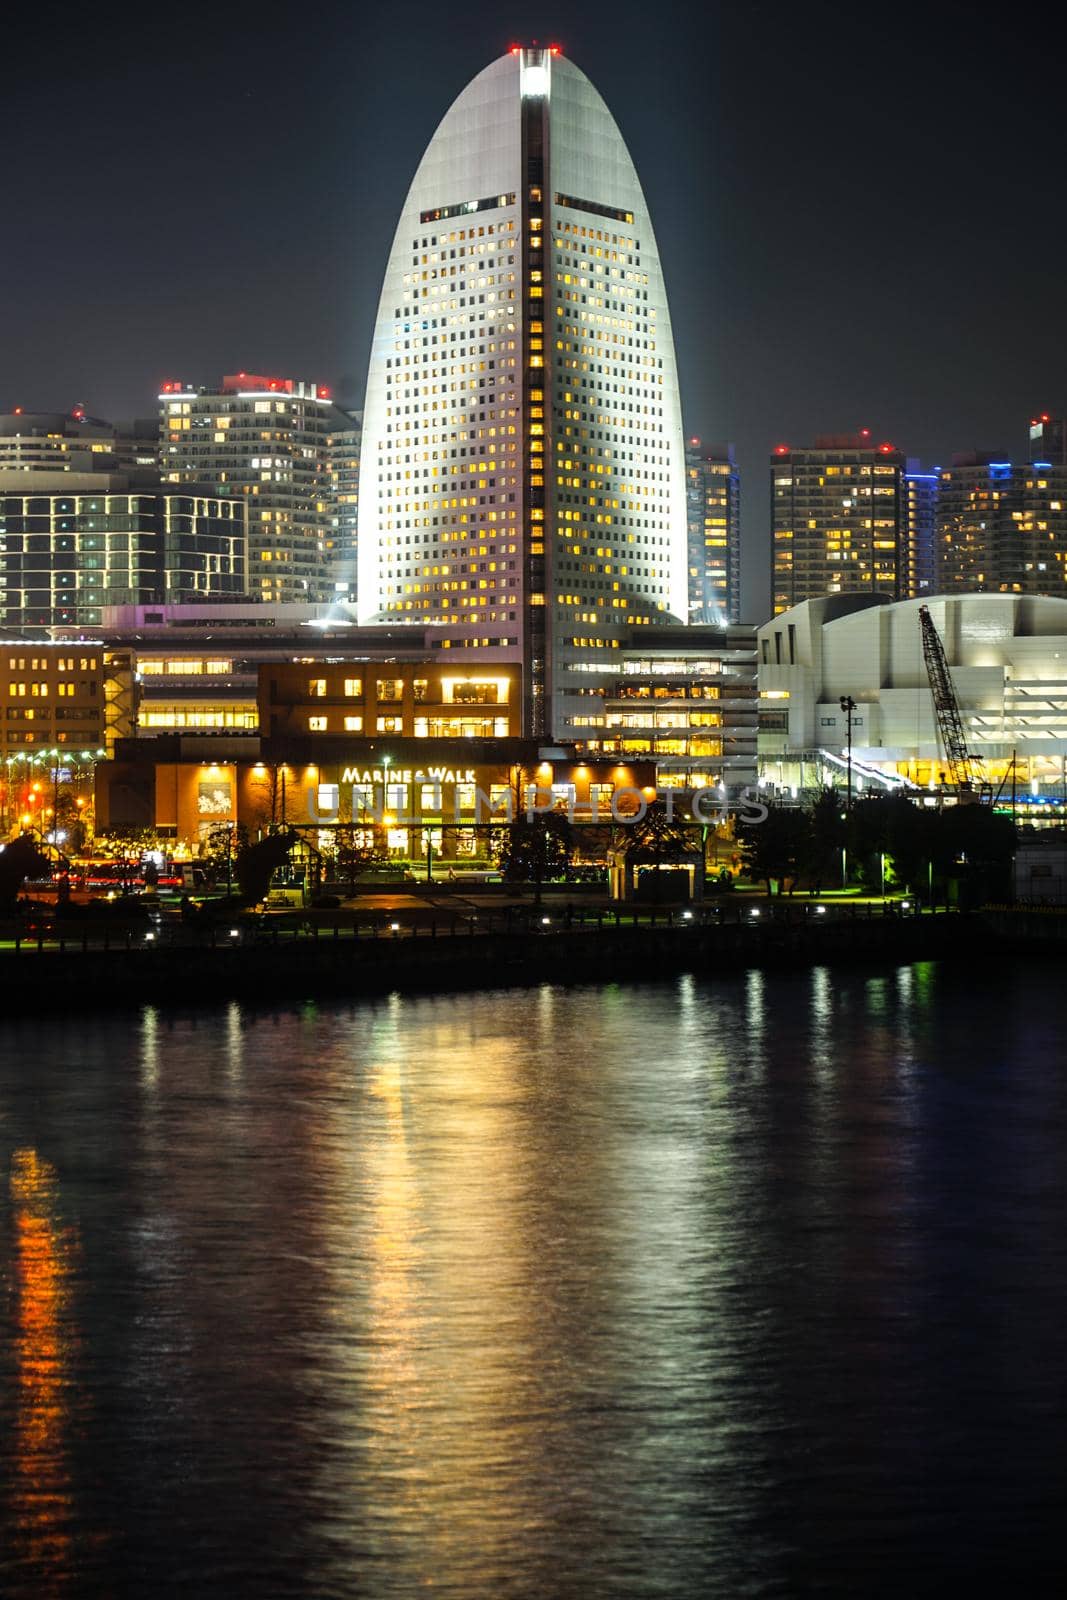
965	770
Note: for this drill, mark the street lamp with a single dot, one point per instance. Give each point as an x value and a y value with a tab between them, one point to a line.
427	840
848	706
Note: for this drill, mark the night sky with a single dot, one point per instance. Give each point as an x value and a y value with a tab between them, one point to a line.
860	209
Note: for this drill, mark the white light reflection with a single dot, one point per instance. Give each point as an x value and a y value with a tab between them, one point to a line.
234	1044
150	1049
755	1017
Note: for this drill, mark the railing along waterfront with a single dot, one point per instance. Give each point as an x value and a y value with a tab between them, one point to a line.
510	921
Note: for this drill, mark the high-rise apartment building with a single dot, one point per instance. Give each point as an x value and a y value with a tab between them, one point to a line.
1048	440
918	566
713	510
69	441
344	443
523	476
1002	526
265	442
837	519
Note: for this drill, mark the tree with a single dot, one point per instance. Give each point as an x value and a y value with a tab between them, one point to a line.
533	849
221	850
819	854
978	848
772	848
910	839
74	819
354	855
656	840
19	860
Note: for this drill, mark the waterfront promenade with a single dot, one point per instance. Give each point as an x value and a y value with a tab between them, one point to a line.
402	943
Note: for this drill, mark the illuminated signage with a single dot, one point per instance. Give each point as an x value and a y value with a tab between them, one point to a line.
408	775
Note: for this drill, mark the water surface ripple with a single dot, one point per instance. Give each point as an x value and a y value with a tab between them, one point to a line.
748	1287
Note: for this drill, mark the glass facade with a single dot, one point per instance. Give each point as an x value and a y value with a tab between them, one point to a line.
64	557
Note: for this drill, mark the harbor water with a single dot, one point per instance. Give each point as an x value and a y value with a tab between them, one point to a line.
746	1286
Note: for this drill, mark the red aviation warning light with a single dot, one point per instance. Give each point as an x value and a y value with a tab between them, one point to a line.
781	449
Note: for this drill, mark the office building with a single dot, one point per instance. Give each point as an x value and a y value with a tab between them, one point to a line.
74	543
413	699
270	444
54	696
838	514
522	484
685	698
1002	526
197	666
713	503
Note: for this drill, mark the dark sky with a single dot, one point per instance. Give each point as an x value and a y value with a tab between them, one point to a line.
860	209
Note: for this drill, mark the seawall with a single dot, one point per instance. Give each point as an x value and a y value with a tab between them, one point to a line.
304	967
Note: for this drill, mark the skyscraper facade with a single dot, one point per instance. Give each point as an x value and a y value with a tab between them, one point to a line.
837	519
713	508
522	482
267	442
1002	526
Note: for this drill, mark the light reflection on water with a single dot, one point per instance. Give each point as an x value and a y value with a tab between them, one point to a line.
737	1287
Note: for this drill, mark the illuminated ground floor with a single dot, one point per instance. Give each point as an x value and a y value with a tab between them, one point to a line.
1035	781
405	798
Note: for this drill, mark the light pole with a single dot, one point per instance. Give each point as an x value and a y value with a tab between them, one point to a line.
848	706
427	839
55	797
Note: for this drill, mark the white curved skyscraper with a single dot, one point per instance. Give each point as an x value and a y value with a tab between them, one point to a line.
523	478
